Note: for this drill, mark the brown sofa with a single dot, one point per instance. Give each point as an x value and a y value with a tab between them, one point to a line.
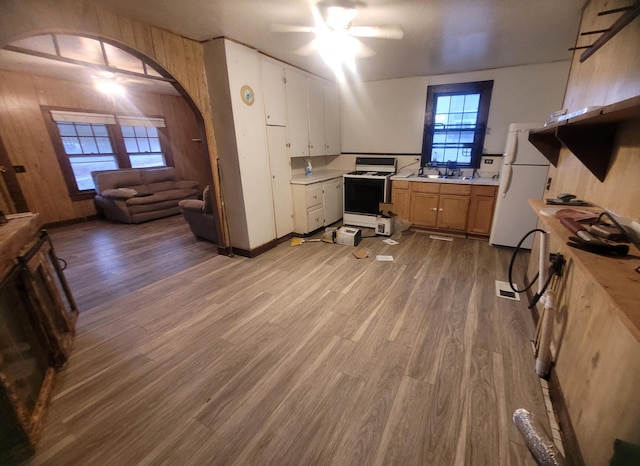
135	195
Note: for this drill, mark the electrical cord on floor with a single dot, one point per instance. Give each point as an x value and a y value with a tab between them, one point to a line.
513	259
555	269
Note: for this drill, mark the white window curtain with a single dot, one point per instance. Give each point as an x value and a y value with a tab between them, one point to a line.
141	121
81	117
106	119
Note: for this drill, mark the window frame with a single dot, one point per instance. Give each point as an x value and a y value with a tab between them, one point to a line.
484	88
117	142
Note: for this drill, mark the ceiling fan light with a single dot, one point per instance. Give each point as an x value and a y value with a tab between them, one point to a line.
109	86
339	18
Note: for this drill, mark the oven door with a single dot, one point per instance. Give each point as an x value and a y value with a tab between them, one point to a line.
363	195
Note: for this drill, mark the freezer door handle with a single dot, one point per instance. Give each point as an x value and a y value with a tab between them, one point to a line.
511	148
506	180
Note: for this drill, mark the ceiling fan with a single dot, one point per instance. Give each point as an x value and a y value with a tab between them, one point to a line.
335	18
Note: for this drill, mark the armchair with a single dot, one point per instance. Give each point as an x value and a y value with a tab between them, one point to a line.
199	215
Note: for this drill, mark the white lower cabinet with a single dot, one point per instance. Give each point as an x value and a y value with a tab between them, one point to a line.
332	199
316	205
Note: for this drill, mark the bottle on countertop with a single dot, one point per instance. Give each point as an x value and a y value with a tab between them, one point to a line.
309	169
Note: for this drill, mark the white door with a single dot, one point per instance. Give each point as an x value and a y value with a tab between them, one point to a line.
275	100
280	166
315	94
332	120
297	118
332	197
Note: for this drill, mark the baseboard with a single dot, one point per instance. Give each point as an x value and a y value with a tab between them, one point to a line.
72	221
256	251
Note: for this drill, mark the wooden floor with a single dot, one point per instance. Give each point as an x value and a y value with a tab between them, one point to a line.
303	355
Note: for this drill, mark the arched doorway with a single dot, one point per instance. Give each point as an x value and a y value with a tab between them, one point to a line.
84	56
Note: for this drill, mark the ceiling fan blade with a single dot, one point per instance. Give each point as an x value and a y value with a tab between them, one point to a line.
290	28
381	32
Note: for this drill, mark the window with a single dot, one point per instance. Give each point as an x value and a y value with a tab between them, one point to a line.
143	146
87	142
455	123
88	148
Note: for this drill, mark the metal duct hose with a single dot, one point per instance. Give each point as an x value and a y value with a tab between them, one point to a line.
540	445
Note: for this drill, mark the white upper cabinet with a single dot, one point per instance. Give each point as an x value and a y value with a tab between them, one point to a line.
297	114
332	119
315	95
275	100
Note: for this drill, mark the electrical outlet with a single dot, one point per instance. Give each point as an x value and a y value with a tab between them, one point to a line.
488	161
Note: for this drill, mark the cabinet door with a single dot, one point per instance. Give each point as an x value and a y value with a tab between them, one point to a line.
400	197
332	119
297	119
452	211
314	195
315	219
481	208
332	201
424	209
280	166
315	95
275	100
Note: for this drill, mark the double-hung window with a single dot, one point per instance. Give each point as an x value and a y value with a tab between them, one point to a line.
455	123
87	142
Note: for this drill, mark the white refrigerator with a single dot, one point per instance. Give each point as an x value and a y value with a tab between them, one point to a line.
523	176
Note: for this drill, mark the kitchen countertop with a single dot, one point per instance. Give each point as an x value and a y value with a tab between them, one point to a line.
420	179
318	176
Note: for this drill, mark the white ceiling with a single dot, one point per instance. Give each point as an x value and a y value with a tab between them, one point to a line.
440	36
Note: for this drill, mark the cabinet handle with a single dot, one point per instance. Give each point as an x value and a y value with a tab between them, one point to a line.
433	209
441	210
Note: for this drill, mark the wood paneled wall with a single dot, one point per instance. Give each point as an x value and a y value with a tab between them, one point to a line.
610	75
27	141
181	58
597	359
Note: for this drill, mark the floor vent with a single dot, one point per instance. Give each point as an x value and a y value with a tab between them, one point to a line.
503	290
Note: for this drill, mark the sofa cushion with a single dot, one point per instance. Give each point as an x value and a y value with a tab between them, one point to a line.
156	175
170	195
186	184
118	179
156	206
161	186
194	205
119	193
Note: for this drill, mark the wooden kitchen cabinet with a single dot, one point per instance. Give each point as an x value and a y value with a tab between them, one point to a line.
401	199
445	206
452	212
453	206
481	206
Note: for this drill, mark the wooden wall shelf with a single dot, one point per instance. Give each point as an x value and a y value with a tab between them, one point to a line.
590	136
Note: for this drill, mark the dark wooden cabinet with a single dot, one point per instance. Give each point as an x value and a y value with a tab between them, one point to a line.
38	315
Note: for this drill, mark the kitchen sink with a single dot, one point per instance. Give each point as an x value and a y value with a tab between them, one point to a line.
446	177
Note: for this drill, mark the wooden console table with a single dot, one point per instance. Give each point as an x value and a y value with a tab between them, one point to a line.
38	315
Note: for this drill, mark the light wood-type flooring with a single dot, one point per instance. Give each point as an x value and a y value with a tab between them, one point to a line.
303	355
